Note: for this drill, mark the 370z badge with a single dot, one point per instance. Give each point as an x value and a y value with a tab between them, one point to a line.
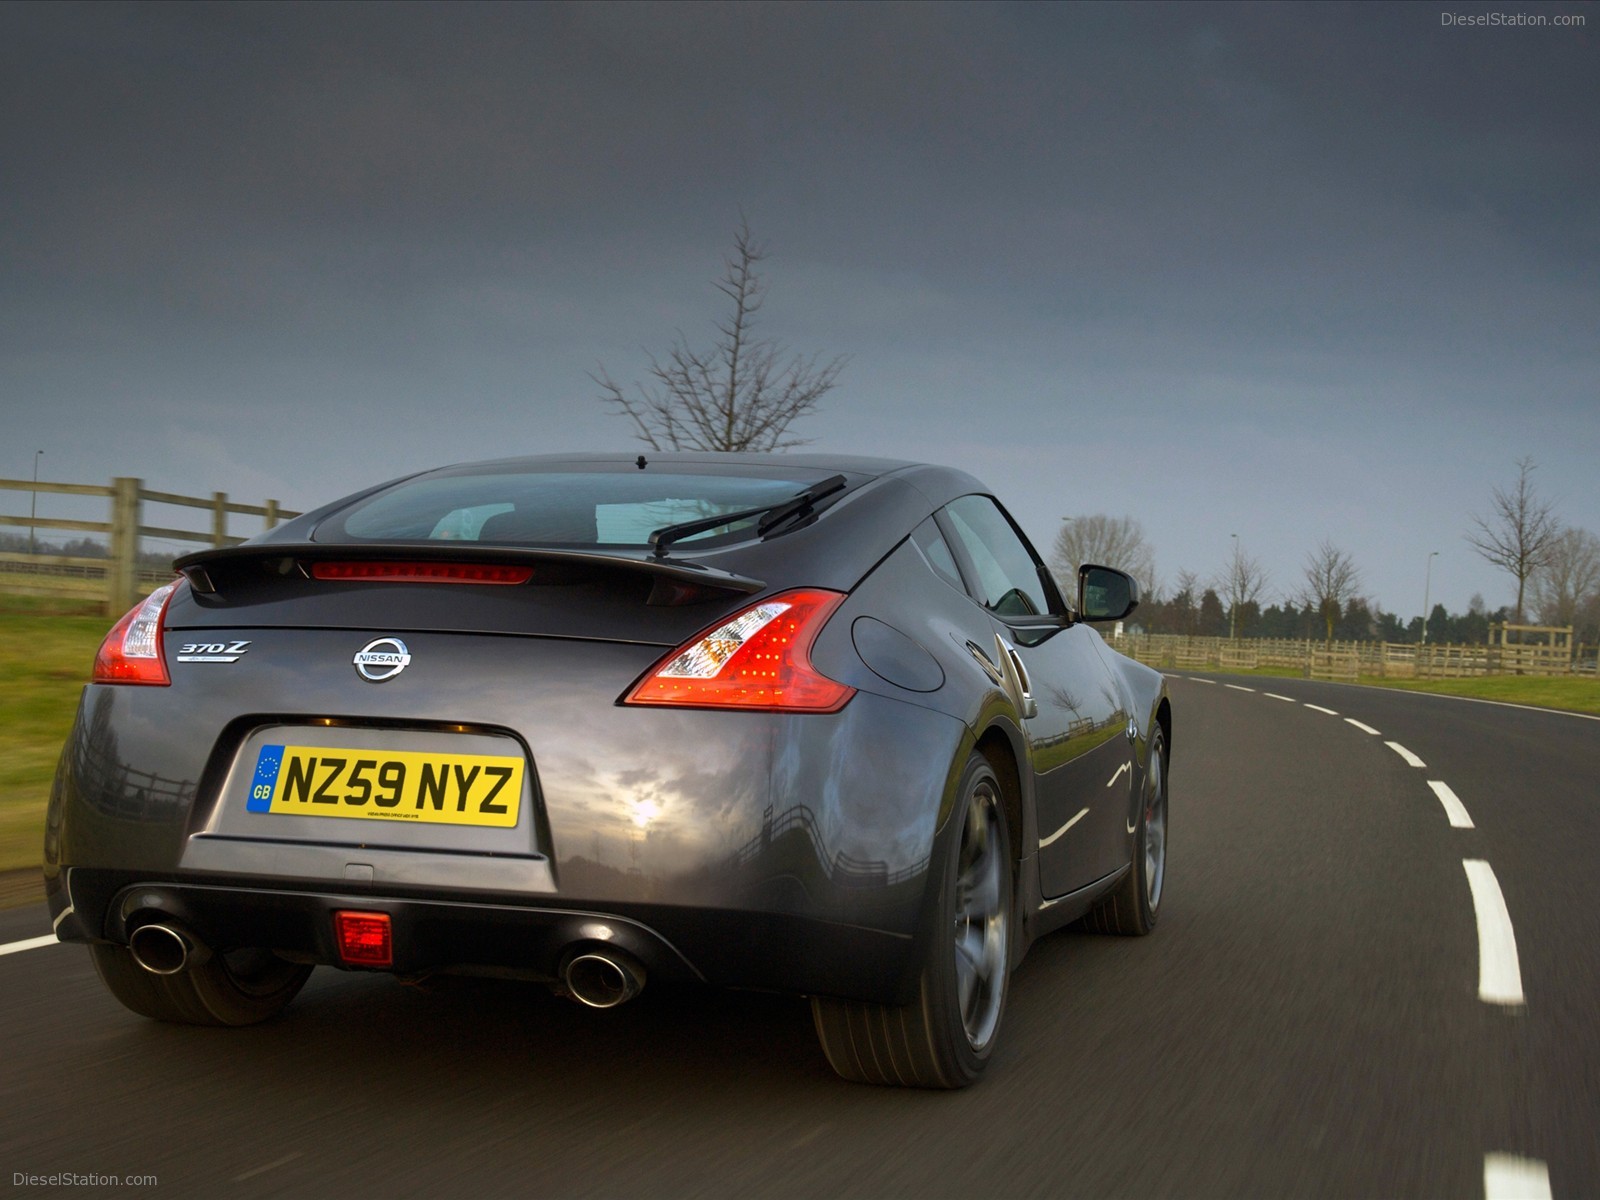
382	659
223	652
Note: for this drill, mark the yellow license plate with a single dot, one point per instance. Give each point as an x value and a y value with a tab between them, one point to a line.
388	785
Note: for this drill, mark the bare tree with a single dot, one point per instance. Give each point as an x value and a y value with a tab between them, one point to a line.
742	394
1518	535
1242	581
1332	582
1568	582
1107	542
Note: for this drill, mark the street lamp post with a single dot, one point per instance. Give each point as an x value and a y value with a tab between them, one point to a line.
1427	592
33	506
1233	592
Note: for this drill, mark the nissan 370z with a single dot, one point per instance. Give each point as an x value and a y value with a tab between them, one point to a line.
824	726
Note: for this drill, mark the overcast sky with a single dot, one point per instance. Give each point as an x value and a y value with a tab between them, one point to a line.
1287	271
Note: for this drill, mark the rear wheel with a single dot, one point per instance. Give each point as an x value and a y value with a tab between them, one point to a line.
945	1037
1133	907
240	987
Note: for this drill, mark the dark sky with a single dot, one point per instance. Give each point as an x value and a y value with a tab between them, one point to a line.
1285	271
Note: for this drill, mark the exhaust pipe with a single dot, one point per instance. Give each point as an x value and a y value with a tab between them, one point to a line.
603	978
166	949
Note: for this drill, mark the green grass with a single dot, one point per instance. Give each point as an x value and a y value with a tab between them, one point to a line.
1569	693
45	660
1572	693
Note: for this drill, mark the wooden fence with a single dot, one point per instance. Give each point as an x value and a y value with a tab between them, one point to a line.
1347	661
120	578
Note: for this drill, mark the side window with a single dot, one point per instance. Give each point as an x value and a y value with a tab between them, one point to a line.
932	544
1008	573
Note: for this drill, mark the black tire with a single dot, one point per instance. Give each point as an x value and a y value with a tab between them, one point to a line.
1134	907
242	987
944	1039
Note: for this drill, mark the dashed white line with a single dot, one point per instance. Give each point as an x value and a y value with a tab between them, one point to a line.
1275	696
1197	679
1360	726
1511	1177
1046	841
30	944
1411	759
1118	775
1499	972
1453	808
1237	688
1320	709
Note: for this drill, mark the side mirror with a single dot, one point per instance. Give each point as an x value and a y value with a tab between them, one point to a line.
1105	594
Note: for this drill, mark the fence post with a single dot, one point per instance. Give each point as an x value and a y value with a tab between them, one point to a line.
272	514
122	579
219	519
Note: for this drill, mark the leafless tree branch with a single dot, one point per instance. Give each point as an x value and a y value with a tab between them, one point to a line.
742	394
1520	531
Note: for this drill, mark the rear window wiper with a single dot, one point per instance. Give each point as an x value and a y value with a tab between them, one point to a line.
772	515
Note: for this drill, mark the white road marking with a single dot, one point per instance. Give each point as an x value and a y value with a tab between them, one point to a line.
1117	776
1063	829
1319	708
1360	726
265	1167
1512	1177
1499	973
1275	696
1197	679
30	944
1411	759
1237	688
1554	712
1454	809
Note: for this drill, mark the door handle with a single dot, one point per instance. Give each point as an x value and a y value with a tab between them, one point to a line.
1017	677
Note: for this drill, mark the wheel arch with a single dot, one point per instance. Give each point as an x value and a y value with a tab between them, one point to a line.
996	746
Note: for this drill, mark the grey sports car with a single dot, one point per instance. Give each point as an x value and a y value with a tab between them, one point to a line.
817	725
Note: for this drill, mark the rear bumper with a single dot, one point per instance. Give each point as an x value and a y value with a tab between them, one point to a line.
762	951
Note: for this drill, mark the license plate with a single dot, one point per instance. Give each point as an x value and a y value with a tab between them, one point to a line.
388	785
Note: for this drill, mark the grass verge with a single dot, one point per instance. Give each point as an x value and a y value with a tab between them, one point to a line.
45	659
1568	693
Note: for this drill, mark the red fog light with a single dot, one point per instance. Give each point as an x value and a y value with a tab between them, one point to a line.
364	938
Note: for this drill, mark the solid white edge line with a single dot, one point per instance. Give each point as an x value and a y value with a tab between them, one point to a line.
1499	972
1275	696
30	944
1114	778
66	912
1454	809
1063	829
1554	712
1411	759
1320	709
1235	687
1512	1177
1360	726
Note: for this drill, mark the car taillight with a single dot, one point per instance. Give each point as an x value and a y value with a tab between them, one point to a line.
758	658
365	939
131	652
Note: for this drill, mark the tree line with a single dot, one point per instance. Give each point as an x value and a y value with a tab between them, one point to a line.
1556	569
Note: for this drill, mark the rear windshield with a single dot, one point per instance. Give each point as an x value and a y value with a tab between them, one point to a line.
584	509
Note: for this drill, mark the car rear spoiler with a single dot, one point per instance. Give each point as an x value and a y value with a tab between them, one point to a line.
676	581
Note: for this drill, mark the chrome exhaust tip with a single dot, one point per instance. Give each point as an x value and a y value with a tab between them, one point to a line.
603	978
165	949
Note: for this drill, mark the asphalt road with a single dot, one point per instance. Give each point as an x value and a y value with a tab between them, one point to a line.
1306	1020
